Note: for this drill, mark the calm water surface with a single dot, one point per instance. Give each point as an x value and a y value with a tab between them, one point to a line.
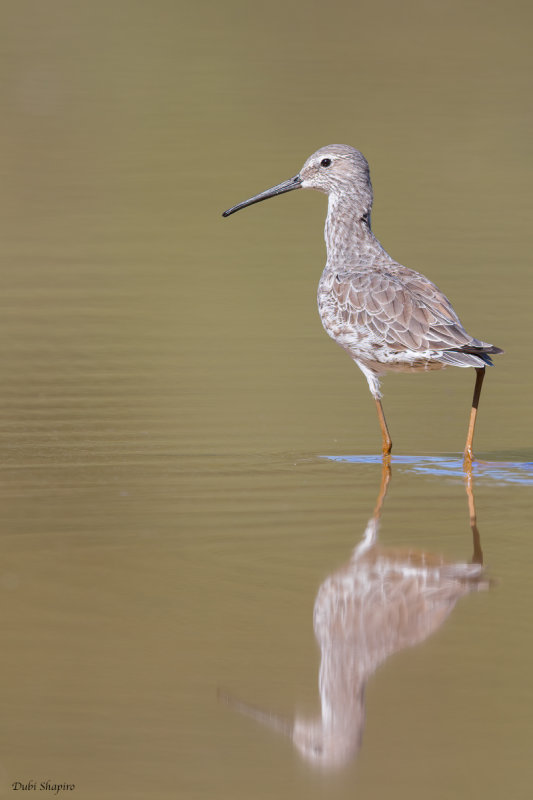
187	458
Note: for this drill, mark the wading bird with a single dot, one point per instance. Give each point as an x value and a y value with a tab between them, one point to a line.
387	317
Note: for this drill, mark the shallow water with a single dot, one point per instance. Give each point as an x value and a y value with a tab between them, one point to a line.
501	472
187	457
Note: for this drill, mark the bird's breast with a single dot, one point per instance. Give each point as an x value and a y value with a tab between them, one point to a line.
340	320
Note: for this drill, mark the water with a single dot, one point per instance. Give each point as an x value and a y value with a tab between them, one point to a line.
187	457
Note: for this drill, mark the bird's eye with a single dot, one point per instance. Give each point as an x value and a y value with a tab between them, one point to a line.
326	162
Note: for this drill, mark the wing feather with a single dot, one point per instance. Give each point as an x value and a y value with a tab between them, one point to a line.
401	308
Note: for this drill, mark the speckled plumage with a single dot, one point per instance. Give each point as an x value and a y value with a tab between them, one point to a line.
387	317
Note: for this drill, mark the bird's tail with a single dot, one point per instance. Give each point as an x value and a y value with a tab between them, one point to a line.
471	355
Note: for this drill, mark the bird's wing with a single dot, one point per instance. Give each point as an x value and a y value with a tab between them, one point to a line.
401	308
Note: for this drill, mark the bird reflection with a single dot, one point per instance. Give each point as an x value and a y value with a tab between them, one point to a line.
382	601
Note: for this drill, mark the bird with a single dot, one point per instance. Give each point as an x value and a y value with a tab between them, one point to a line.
382	601
387	317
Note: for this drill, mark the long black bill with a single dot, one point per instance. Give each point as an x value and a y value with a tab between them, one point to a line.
281	188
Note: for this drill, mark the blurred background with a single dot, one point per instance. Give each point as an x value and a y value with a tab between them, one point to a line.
168	394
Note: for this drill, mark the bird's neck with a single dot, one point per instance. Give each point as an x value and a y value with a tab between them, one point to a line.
348	235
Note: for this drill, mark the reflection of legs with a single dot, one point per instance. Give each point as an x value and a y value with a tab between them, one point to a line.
385	435
469	454
477	555
385	480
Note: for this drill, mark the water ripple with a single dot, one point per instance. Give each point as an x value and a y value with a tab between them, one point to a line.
503	472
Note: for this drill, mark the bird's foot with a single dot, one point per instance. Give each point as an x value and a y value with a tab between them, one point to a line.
468	458
386	449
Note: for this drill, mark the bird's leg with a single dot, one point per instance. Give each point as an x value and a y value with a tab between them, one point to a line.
385	435
373	385
469	453
477	556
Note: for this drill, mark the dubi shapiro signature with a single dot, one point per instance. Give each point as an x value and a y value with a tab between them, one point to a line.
42	786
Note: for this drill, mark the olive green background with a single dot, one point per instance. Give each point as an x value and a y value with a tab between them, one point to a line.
167	391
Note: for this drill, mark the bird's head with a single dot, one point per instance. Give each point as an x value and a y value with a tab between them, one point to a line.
337	170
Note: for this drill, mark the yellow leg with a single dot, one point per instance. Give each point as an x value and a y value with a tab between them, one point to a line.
385	435
469	453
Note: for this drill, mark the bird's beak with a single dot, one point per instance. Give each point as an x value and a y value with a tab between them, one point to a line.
281	188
